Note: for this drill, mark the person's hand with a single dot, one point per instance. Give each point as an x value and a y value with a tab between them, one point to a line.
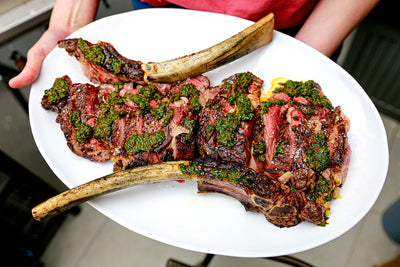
67	16
35	58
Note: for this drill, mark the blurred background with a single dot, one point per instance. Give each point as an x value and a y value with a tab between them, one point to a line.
85	237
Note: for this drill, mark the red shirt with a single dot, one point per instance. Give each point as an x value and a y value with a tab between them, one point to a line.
288	13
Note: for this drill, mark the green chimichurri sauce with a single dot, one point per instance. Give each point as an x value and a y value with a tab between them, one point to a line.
210	129
118	85
190	124
115	64
168	117
58	91
142	102
189	90
225	128
212	106
245	79
75	118
114	98
144	142
144	96
280	148
193	168
322	191
84	132
163	111
231	176
175	97
94	54
245	110
307	90
160	111
318	153
267	104
150	92
103	127
259	149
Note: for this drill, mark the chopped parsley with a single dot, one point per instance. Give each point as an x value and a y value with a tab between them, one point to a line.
245	79
84	131
93	53
58	91
267	104
193	168
245	110
279	149
115	64
144	96
259	149
322	191
306	89
231	176
144	142
225	128
318	152
103	127
160	111
189	124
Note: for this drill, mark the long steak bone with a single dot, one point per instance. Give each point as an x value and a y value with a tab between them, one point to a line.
257	192
111	66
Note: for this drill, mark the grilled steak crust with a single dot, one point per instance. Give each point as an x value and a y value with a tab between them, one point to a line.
177	126
127	124
101	62
226	122
51	101
292	148
305	140
260	193
83	102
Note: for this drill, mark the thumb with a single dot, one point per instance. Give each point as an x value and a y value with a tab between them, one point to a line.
35	58
31	70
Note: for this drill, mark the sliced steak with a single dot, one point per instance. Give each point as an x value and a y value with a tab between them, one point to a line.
227	120
166	130
131	126
304	141
77	119
292	148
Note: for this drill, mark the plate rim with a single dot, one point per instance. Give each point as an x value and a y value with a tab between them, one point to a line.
94	203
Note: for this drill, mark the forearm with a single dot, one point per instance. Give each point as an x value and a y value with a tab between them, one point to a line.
331	21
70	15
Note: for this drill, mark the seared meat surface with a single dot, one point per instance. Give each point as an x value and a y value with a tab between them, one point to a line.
290	150
227	120
304	139
129	125
259	193
101	62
